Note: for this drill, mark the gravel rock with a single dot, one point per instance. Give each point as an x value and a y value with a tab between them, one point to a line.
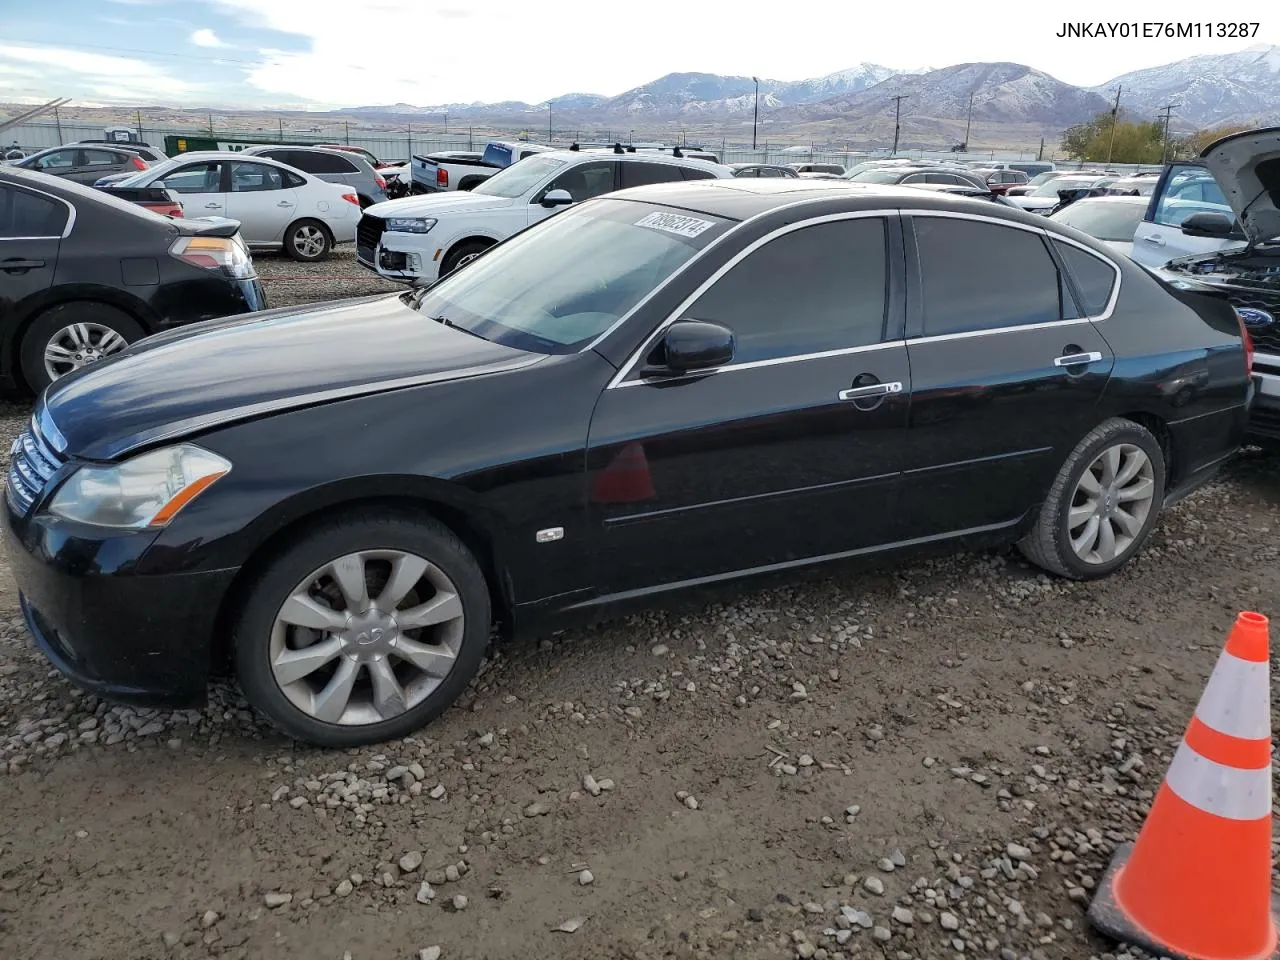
586	877
429	953
948	920
537	809
903	916
277	900
344	888
1018	852
209	919
425	894
459	902
874	885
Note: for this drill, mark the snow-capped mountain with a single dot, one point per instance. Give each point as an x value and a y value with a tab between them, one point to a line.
1242	87
1002	92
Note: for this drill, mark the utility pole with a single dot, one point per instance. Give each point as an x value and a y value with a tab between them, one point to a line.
1168	109
897	116
211	123
280	128
346	131
549	134
755	118
57	118
446	123
1115	120
138	117
968	123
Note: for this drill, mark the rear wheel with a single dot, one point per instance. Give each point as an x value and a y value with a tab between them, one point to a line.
1103	504
463	254
363	629
70	336
307	241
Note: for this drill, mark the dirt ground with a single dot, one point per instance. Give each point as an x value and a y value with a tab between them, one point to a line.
927	761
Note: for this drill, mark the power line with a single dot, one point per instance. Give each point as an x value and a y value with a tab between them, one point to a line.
1115	120
137	50
1168	109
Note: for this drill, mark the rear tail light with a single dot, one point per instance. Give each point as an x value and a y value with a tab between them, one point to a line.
215	253
138	163
442	177
382	184
1248	341
351	198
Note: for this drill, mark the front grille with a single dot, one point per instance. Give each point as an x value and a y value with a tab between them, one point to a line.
368	233
31	463
1265	339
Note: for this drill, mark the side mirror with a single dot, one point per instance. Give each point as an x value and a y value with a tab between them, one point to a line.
1207	225
557	198
691	345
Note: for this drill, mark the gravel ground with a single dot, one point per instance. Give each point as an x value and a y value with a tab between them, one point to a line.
928	761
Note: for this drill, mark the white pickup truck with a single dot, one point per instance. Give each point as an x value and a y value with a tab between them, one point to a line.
462	169
426	237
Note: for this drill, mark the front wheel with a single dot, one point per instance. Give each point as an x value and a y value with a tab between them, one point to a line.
462	254
307	241
362	630
70	336
1103	504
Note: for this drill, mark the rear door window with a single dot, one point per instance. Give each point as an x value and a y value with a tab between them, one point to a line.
195	178
318	163
1094	278
984	276
640	174
30	215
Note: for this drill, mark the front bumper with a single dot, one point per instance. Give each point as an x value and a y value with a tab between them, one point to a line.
400	256
144	639
1264	412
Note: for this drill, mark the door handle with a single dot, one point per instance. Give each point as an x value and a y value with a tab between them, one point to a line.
872	390
1074	359
20	264
284	203
1155	239
213	206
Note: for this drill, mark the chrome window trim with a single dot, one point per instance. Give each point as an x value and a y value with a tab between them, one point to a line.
71	210
626	368
771	362
694	259
1049	238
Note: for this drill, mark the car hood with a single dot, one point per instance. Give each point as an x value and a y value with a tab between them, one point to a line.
178	383
1247	168
435	204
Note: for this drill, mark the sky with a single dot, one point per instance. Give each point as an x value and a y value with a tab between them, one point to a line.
327	53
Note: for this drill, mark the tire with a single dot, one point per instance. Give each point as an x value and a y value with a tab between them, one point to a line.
463	253
261	638
307	241
1049	544
83	324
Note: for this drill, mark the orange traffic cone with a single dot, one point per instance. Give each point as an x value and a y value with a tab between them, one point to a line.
1196	885
626	479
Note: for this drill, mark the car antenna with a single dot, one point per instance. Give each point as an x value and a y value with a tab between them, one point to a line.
574	146
617	148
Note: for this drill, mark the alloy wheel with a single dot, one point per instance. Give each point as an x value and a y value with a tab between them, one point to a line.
366	637
309	241
79	345
1111	503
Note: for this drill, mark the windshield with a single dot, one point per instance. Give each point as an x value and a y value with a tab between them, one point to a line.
518	178
1051	188
1102	219
556	286
881	175
1042	178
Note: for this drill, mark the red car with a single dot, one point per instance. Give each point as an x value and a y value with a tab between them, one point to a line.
1001	180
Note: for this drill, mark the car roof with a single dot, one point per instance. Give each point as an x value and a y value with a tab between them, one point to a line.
1116	198
90	145
738	198
637	157
198	155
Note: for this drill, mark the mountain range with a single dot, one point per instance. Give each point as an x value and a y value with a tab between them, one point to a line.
1240	87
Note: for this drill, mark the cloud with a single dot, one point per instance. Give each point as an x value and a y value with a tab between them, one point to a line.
204	37
95	74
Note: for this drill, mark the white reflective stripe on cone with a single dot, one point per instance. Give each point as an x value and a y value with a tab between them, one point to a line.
1221	790
1237	700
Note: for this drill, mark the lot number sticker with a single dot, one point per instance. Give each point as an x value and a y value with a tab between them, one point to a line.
674	223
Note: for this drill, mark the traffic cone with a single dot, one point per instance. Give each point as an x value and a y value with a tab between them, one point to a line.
1196	885
626	479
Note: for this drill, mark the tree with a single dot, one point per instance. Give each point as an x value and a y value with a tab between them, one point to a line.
1135	141
1192	144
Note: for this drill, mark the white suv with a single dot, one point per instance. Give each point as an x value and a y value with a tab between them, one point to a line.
426	237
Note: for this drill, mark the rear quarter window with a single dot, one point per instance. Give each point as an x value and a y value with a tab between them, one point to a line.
1095	279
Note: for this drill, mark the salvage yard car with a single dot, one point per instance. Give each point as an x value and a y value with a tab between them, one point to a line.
1240	253
667	387
278	207
84	273
422	238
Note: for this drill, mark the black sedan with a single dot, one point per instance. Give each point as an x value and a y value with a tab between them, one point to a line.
84	273
669	386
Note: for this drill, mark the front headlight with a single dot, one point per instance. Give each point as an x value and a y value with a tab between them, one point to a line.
146	491
410	224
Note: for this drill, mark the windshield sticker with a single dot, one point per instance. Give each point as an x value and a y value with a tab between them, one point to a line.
674	223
